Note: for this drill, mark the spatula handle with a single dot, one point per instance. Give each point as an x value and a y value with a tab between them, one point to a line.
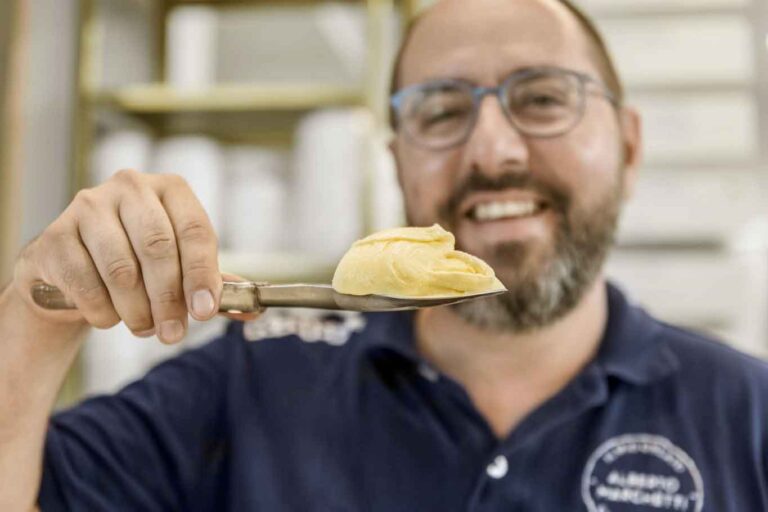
242	297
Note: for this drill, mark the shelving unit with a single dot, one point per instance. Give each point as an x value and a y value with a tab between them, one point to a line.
155	102
235	113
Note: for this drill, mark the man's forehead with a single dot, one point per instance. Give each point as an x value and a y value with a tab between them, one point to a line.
484	39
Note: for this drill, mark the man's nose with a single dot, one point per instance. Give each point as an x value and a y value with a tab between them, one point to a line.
495	145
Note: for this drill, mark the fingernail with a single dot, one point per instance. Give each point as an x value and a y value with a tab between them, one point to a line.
145	334
202	303
171	331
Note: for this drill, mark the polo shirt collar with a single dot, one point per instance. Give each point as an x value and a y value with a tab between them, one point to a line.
631	348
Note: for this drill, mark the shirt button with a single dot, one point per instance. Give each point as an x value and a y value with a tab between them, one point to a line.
498	468
428	372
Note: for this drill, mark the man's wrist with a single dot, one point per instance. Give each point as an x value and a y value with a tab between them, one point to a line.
21	319
36	353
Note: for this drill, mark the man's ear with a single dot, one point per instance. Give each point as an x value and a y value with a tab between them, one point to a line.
632	145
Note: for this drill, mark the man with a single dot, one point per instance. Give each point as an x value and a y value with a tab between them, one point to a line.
560	396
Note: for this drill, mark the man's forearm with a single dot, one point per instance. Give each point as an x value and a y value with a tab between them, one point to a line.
34	358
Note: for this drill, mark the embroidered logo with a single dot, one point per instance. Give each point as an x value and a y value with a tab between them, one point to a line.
310	326
639	472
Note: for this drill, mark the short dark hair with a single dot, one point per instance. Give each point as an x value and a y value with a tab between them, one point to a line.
601	55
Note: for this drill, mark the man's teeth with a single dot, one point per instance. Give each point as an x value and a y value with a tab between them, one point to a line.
504	209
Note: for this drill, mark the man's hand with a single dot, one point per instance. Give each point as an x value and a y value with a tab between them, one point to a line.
139	249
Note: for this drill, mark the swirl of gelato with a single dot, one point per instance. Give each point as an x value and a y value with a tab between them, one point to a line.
412	262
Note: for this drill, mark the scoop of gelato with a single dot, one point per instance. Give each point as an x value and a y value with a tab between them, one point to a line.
412	262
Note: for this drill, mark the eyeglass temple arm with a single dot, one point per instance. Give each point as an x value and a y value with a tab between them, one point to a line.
601	89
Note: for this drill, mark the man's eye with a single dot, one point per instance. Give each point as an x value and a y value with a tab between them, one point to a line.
443	115
541	100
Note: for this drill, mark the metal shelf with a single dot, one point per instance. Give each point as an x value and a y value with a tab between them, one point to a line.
264	114
159	98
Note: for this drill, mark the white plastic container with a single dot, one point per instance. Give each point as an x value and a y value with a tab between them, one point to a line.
191	42
387	200
328	178
118	150
198	160
256	192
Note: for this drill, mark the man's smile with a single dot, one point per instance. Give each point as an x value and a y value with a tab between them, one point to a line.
506	215
496	210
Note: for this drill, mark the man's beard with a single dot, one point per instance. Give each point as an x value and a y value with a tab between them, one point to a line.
539	295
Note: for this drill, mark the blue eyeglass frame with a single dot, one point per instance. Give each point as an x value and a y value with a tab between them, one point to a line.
480	92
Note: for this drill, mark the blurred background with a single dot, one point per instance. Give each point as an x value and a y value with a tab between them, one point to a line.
275	112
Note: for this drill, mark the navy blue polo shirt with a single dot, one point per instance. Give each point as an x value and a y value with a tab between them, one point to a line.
662	419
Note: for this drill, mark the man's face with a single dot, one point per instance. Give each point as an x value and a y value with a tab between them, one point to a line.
577	180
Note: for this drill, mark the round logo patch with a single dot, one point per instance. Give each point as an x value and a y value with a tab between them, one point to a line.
639	472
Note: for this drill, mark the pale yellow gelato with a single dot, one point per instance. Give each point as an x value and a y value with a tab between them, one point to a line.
412	262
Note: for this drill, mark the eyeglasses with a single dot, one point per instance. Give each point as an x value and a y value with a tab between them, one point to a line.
538	102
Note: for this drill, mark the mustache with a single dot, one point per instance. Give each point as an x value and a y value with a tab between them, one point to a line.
555	197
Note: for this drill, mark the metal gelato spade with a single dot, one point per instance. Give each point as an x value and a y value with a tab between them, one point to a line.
248	297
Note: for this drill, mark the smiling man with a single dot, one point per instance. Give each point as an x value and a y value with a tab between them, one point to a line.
507	174
511	131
